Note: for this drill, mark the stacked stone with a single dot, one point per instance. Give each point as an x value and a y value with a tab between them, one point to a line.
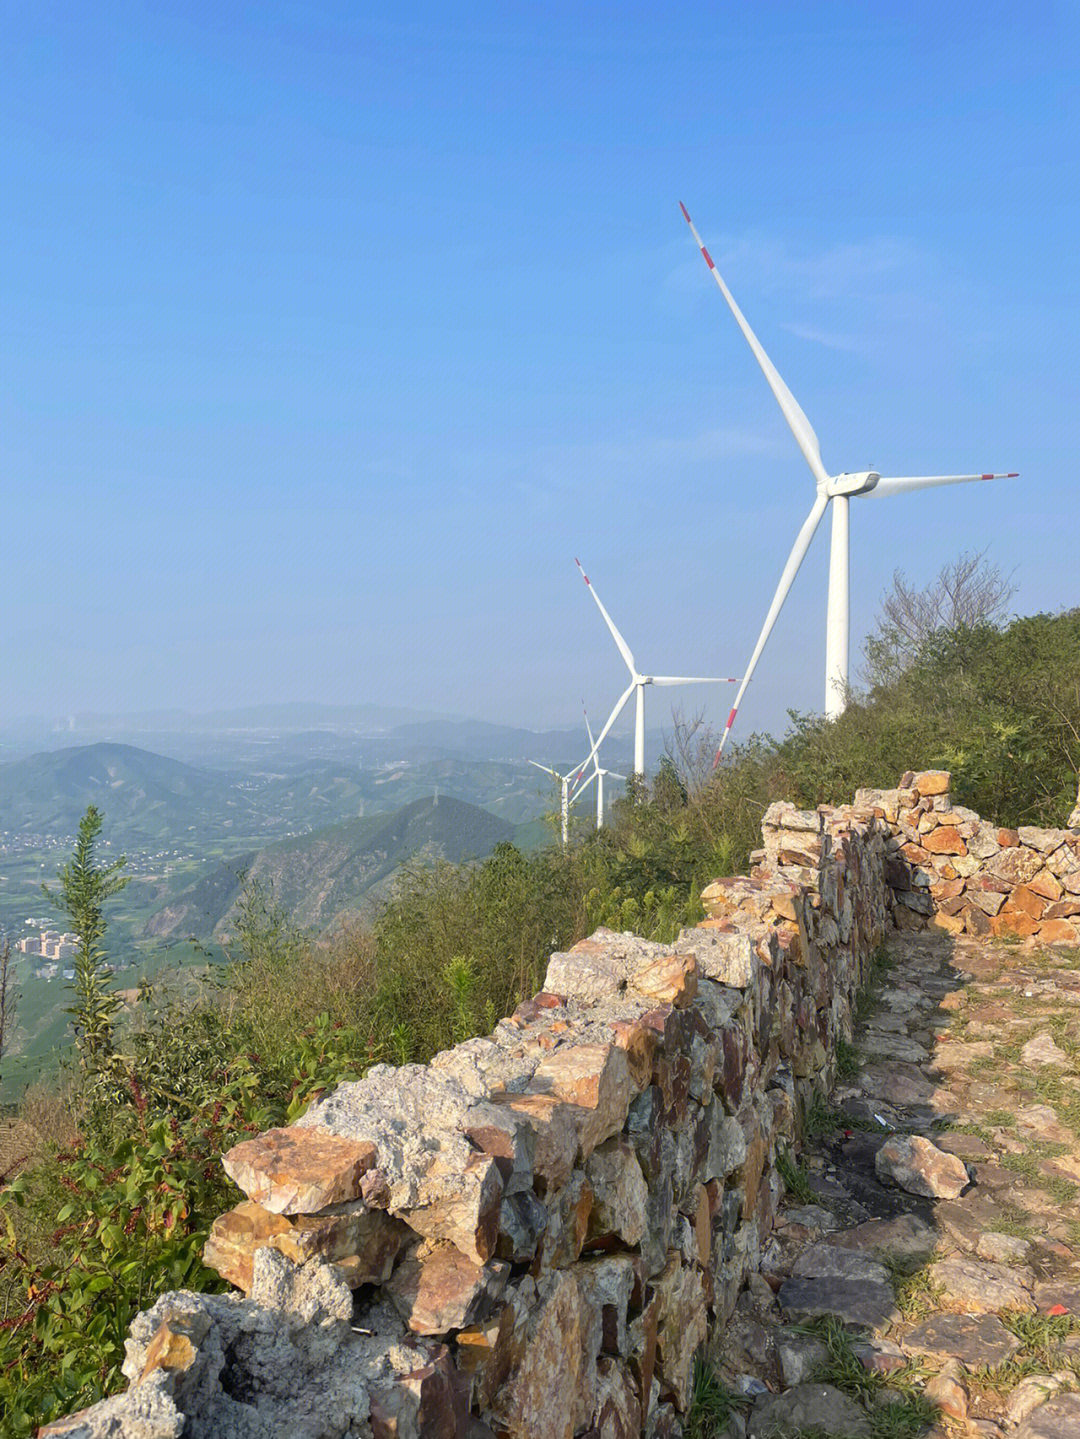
952	870
533	1234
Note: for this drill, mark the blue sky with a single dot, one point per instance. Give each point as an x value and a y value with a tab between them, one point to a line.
332	332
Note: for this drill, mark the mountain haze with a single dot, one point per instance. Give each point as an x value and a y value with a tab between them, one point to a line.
342	869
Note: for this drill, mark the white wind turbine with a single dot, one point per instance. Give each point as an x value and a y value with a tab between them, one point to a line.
637	686
598	775
831	489
565	800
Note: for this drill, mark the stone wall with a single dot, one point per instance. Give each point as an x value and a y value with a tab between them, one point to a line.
534	1234
957	872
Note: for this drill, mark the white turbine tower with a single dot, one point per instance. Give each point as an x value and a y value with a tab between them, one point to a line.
598	775
637	686
564	796
831	489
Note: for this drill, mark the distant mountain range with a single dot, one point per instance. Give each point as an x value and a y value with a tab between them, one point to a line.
152	801
297	735
342	869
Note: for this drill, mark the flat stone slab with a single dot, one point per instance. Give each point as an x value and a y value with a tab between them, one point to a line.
973	1339
807	1407
905	1237
1056	1419
855	1301
979	1288
299	1171
824	1261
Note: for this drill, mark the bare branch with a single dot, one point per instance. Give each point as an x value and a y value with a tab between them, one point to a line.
967	592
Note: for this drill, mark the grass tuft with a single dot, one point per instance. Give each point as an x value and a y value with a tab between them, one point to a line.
712	1405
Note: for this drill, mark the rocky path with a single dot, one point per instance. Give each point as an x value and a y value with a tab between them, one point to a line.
924	1277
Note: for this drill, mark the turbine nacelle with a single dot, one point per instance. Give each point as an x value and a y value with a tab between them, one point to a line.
859	483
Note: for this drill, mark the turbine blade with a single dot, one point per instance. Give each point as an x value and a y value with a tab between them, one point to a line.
577	793
624	648
694	680
588	731
787	578
602	736
546	768
798	424
899	485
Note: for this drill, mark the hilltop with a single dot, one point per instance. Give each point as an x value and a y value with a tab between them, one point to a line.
342	868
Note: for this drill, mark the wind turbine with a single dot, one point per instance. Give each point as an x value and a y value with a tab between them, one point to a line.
830	489
637	685
564	796
597	775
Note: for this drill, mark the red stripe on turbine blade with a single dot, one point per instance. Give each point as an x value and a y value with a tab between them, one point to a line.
730	719
987	477
685	212
1012	475
708	258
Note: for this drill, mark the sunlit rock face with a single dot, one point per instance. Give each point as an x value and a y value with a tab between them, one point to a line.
534	1234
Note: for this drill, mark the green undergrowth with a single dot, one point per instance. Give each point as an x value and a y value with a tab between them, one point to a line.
896	1407
712	1405
916	1293
796	1180
1041	1337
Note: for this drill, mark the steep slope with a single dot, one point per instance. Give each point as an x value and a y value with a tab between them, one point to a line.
341	868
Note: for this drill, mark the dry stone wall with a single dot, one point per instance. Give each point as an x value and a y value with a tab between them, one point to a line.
534	1234
962	874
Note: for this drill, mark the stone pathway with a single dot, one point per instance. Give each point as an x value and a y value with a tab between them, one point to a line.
924	1275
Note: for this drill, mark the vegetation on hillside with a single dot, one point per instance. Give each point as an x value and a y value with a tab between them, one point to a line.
117	1209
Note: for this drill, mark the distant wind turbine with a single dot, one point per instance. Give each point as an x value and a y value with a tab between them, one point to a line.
564	781
598	775
831	489
637	686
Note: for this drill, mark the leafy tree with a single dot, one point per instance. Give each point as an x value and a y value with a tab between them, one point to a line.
9	997
84	886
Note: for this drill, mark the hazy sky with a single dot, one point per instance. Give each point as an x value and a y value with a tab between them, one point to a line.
332	332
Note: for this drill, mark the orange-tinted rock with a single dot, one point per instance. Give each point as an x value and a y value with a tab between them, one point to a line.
947	923
914	853
681	1329
622	1196
671	979
618	1404
299	1171
175	1346
556	1126
363	1241
1012	922
437	1289
552	1392
1025	901
1064	909
1059	931
1046	885
1016	866
467	1212
638	1042
425	1401
596	1079
944	840
947	889
568	1224
1008	838
930	782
